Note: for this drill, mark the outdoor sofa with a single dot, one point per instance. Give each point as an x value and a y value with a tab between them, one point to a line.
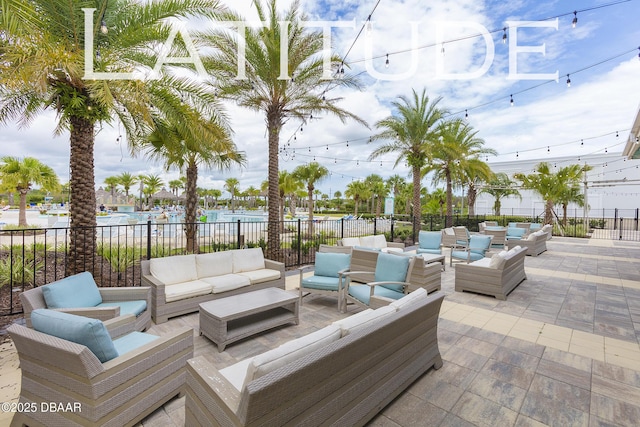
496	276
377	241
343	374
536	243
180	283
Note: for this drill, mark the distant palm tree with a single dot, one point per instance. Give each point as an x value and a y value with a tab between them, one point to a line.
280	99
474	172
43	68
411	132
288	185
357	190
232	186
175	185
441	196
127	181
152	184
21	174
395	183
456	146
379	191
310	174
112	183
500	186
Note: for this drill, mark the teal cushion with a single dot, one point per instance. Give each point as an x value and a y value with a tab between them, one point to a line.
515	232
463	255
368	249
391	268
479	244
135	307
429	239
322	283
79	290
362	292
78	329
429	251
132	341
535	226
328	263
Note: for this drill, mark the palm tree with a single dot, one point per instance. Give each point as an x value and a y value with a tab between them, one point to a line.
112	183
175	185
152	183
474	172
232	186
127	181
552	187
288	185
310	174
216	194
411	131
441	196
280	99
43	67
357	190
456	146
205	143
379	191
20	175
500	186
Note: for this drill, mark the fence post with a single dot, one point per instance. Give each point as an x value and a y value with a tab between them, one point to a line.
637	211
342	228
375	226
148	239
392	233
300	239
238	236
621	219
615	219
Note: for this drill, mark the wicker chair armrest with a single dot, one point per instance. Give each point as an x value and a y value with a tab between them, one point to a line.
100	313
372	284
146	352
217	386
348	273
305	267
395	245
129	293
274	265
149	280
121	325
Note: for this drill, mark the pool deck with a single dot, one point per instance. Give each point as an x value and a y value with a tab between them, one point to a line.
562	350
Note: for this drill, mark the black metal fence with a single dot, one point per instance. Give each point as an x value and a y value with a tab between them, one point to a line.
34	257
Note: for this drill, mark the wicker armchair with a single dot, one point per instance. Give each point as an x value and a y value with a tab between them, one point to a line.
121	391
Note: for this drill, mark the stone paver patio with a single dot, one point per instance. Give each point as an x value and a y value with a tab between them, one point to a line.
562	350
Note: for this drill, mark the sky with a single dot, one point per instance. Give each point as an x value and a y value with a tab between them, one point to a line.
435	46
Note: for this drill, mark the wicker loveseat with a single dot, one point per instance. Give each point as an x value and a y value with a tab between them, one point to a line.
495	276
377	241
343	374
180	283
536	243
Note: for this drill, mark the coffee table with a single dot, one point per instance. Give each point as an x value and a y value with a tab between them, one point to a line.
233	318
430	258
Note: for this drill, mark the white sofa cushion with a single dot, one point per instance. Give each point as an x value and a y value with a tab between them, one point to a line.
262	275
214	264
379	241
174	269
226	282
388	249
512	252
369	242
194	288
350	241
290	351
482	262
236	373
247	260
418	294
364	318
498	260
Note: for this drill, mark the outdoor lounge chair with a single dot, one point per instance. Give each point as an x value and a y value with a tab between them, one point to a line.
72	361
478	245
391	282
79	294
327	278
429	242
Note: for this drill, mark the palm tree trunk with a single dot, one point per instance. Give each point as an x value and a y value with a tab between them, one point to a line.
417	209
310	220
548	212
356	203
22	214
82	211
471	199
274	124
191	206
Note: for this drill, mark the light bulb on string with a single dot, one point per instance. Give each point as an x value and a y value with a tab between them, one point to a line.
517	155
504	36
582	143
568	81
327	147
605	149
442	49
466	115
103	27
511	101
617	135
548	149
357	162
347	144
386	63
575	19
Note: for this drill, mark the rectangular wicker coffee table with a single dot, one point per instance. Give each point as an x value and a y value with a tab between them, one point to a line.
429	258
230	319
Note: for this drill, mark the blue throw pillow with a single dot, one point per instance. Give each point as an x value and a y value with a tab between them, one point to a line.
430	239
79	290
516	232
328	263
78	329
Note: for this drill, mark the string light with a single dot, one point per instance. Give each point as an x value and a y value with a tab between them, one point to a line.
103	27
568	81
575	19
511	101
504	36
466	115
548	149
442	49
386	63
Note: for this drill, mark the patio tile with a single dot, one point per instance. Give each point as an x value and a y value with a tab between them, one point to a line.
410	410
476	346
481	411
439	392
614	411
512	374
465	358
569	395
552	412
617	373
501	392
